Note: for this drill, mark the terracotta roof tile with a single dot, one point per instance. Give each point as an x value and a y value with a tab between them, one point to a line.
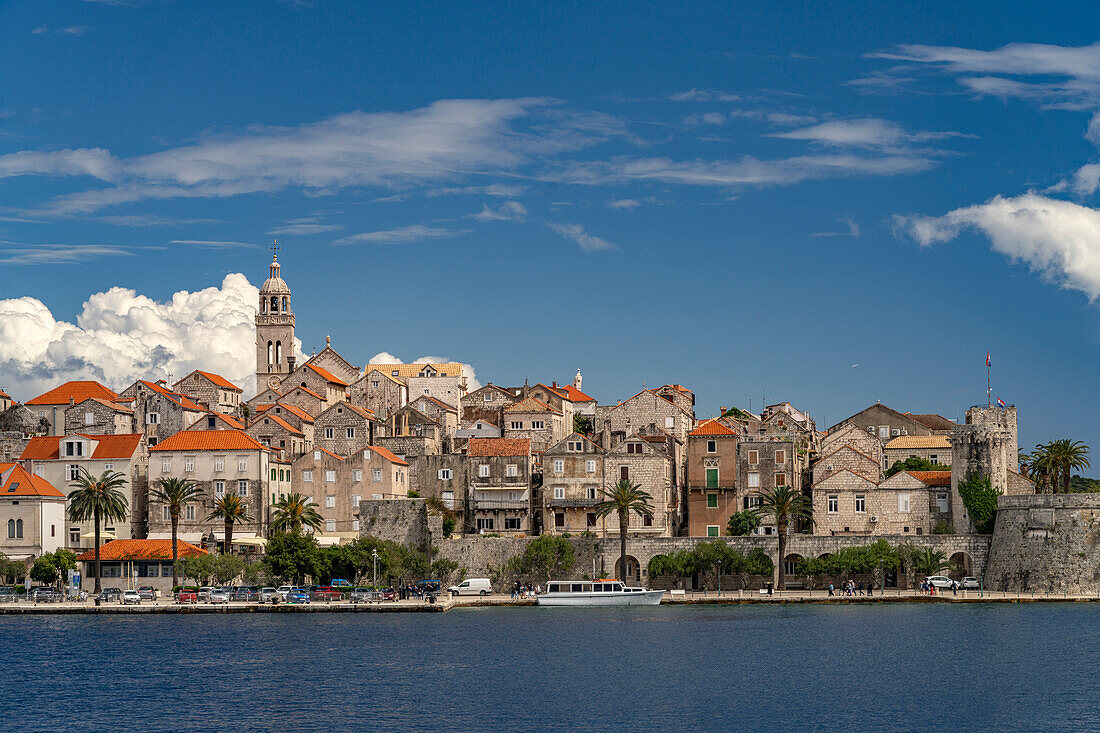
932	478
182	400
499	447
441	403
4	395
216	379
198	440
142	550
405	371
308	391
19	482
712	427
277	420
326	374
530	404
112	404
575	395
911	442
387	454
118	447
77	391
294	410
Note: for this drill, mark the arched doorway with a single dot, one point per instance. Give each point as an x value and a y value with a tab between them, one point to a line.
632	572
790	568
962	565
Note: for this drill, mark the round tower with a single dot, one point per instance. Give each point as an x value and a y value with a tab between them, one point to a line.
577	381
274	330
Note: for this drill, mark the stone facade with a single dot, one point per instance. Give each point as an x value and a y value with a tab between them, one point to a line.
847	458
761	466
212	390
986	444
535	420
446	389
318	381
487	403
304	399
158	412
343	428
406	521
334	364
275	357
99	417
337	484
502	496
847	503
379	392
854	436
273	431
573	483
885	423
641	462
443	414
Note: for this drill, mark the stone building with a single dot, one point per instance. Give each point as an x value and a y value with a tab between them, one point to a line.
216	421
158	411
477	429
267	396
859	438
275	357
59	458
557	399
648	464
303	398
847	458
343	428
218	462
582	403
379	392
317	381
763	465
51	405
6	401
647	408
487	403
331	362
536	421
32	514
712	479
679	395
212	390
885	423
273	432
934	448
938	424
501	496
443	381
847	503
573	483
295	416
444	415
445	476
99	417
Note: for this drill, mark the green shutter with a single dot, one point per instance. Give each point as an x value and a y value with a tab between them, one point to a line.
712	478
712	531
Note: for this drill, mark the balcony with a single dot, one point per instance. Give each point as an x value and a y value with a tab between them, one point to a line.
490	504
571	503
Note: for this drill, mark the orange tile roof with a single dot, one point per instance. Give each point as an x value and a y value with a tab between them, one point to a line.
230	421
712	427
575	395
216	379
408	371
114	405
278	421
387	454
361	411
182	400
326	450
441	403
499	447
4	395
932	478
117	447
21	483
142	550
308	391
76	391
326	374
530	404
295	410
919	442
208	440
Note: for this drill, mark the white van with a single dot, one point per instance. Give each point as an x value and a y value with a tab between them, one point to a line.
472	587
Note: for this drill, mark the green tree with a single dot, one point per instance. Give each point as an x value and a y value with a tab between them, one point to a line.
679	565
231	508
743	523
175	493
931	562
756	562
44	571
1067	456
784	505
547	555
718	557
443	568
201	567
914	464
291	556
97	498
294	511
226	568
582	424
980	499
624	498
253	573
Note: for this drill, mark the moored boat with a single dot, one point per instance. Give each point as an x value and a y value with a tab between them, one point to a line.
605	592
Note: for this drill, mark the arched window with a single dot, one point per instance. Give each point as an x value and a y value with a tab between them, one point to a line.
274	304
284	304
263	305
19	529
11	529
278	352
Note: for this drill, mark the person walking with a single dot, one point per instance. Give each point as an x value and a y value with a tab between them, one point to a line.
860	587
870	586
830	588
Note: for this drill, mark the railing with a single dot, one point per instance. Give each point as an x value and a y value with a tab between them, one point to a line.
567	503
482	504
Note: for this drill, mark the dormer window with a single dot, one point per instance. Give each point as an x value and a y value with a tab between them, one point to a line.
74	448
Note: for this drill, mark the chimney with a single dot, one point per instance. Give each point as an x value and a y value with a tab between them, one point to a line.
71	401
290	362
723	409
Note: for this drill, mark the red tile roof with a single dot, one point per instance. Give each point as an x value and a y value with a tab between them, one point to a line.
114	405
4	395
712	427
142	550
277	420
182	400
308	391
208	440
21	483
230	421
575	395
76	391
216	379
932	478
387	454
326	374
294	410
531	405
499	447
117	447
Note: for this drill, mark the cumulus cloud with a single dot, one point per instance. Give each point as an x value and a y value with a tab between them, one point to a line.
508	211
120	336
385	357
1059	240
400	235
587	242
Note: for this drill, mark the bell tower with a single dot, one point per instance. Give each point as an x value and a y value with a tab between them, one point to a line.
274	329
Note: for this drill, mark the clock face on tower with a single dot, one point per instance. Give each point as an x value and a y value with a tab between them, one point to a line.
273	382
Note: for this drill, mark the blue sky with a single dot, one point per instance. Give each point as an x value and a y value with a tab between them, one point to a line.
748	201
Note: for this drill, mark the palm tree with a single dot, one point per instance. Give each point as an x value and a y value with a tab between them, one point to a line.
931	562
624	498
98	498
784	505
230	508
1039	467
174	493
294	511
1067	455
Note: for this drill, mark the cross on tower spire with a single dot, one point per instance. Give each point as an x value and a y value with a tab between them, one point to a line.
274	250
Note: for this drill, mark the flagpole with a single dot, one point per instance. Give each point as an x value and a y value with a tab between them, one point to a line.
988	387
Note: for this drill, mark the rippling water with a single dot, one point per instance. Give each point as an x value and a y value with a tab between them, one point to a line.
897	667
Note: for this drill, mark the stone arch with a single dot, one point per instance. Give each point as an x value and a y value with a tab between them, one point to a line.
633	570
790	562
963	565
274	304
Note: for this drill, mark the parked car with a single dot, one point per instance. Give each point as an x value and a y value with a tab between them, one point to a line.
365	595
187	595
326	594
204	593
148	593
45	595
108	595
131	597
472	587
217	595
244	593
7	595
284	591
971	583
341	583
266	594
297	595
940	581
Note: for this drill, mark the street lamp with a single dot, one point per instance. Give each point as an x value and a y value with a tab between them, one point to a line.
374	557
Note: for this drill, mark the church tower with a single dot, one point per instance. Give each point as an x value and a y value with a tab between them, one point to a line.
274	330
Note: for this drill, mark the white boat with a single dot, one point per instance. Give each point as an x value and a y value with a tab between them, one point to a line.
607	592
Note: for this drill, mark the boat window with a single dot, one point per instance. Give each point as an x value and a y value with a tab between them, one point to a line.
598	587
587	588
577	587
617	588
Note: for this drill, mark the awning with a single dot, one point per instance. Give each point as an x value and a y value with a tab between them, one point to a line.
20	557
193	537
102	536
335	538
250	541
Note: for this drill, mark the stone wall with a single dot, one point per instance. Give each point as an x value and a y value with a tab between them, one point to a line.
406	521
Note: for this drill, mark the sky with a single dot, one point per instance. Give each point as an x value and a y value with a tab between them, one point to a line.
831	204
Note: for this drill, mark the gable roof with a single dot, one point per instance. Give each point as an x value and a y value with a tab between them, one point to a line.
232	422
472	424
360	411
494	387
846	446
656	396
530	404
325	374
217	379
499	447
182	400
199	440
387	375
114	406
77	391
572	437
575	395
440	403
891	411
277	420
142	550
334	354
326	450
932	478
117	447
912	442
298	412
4	395
841	472
387	454
933	421
17	481
307	390
711	427
405	371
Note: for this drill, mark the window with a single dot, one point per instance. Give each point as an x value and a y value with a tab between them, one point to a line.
517	425
219	463
559	492
219	489
74	448
355	499
89	418
754	457
590	520
357	475
484	523
590	466
329	433
559	466
152	440
624	473
165	514
712	501
242	463
712	446
273	474
445	474
535	425
317	455
242	488
330	502
108	466
754	480
591	492
884	431
74	536
903	503
330	525
780	479
834	503
152	418
330	477
511	470
166	465
670	423
712	530
376	475
781	457
576	446
355	525
483	470
15	529
861	504
941	503
634	448
211	423
513	523
559	519
351	433
712	478
74	473
189	512
647	521
307	477
488	396
933	457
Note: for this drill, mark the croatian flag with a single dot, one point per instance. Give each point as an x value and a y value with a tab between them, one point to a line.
987	362
1000	403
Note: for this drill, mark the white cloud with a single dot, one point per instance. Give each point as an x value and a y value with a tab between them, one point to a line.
95	162
213	244
867	133
304	226
703	95
400	235
576	232
57	254
852	230
385	357
1058	239
623	204
508	211
120	336
501	190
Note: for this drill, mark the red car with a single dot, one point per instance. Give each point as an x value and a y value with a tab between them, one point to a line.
326	593
187	596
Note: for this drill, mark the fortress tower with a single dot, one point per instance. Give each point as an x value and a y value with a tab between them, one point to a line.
986	444
274	330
